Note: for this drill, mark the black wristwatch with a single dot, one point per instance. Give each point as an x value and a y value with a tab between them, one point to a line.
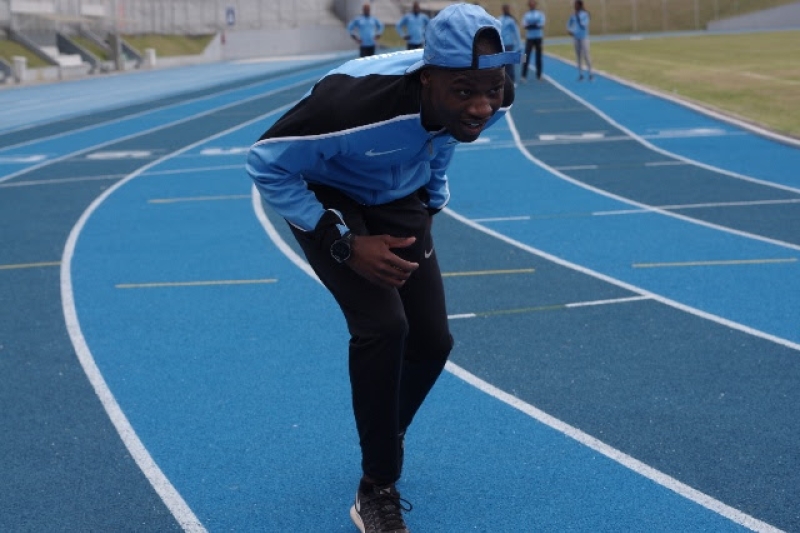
342	248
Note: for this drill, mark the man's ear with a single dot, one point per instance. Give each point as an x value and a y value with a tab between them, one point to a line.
425	77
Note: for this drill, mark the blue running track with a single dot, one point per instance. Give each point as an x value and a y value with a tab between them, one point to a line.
623	285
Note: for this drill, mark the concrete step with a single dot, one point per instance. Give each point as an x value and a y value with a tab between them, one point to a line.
65	60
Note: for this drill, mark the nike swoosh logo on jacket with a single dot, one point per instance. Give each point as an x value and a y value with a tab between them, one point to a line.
365	107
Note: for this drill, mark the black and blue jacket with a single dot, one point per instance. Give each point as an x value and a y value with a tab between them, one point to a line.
359	130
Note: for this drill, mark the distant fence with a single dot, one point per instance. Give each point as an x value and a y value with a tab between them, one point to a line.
206	16
164	16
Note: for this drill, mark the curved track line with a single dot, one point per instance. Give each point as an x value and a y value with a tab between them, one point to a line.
619	283
645	207
625	460
647	144
156	128
758	130
587	440
134	115
169	495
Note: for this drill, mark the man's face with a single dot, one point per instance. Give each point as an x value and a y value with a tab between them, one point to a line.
461	101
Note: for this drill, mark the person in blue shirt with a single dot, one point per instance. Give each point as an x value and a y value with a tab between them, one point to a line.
359	180
509	30
411	27
365	30
578	27
533	21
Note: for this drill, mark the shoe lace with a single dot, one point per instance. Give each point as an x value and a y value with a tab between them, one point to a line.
384	510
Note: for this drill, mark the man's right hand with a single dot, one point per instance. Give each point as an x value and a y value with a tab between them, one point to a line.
372	258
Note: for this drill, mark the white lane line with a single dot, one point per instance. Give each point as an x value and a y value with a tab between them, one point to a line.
578	167
58	181
608	302
162	485
633	288
644	207
461	315
618	212
665	163
151	130
639	139
140	114
612	453
684	490
554	307
650	92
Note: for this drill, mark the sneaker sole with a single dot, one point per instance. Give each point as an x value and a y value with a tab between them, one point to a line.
356	519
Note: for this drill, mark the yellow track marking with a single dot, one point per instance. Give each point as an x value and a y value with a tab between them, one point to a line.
487	273
715	263
193	283
198	199
30	265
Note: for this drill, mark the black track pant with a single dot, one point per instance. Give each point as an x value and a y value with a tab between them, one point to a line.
399	338
531	44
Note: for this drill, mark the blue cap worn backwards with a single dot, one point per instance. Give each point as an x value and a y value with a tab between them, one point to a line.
450	40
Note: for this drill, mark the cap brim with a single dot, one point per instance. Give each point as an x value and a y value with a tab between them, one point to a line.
499	60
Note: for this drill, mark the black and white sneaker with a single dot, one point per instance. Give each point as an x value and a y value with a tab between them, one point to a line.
378	509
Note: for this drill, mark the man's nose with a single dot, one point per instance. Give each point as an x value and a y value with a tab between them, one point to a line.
481	106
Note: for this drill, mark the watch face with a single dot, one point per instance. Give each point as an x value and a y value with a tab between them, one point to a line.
340	250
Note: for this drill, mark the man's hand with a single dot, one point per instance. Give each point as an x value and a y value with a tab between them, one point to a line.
372	258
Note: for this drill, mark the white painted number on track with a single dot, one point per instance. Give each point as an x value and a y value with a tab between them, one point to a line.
23	158
120	154
571	136
225	151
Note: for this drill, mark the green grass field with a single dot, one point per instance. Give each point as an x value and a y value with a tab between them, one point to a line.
635	16
9	49
164	45
170	45
752	76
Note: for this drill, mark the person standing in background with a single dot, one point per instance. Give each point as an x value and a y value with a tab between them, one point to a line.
412	26
509	31
369	30
533	21
578	27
